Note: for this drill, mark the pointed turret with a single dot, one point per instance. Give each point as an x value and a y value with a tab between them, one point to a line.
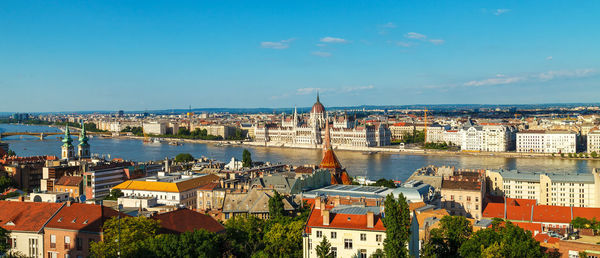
83	149
67	147
331	162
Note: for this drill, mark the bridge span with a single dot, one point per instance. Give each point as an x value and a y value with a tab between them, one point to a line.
43	135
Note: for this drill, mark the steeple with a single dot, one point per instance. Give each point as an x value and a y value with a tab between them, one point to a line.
318	97
84	148
83	137
67	147
67	139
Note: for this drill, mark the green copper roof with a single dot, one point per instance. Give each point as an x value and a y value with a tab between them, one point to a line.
83	137
67	139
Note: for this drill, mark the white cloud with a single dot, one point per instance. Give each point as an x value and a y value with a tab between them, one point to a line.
579	73
494	81
404	44
501	11
358	88
305	91
283	44
333	40
437	41
414	35
389	25
549	58
321	53
502	79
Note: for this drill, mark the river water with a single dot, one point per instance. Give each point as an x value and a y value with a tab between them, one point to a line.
374	166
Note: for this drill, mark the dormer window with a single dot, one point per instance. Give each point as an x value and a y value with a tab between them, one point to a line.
85	222
60	219
73	221
10	223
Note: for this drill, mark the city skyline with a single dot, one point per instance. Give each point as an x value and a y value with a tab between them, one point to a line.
76	57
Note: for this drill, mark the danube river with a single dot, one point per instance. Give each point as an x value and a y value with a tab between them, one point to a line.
374	166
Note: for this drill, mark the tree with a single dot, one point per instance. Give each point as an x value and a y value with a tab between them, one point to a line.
5	183
114	195
3	241
507	240
183	131
124	235
385	183
397	226
245	235
594	154
11	153
284	239
246	159
579	222
184	157
324	249
276	209
199	243
377	254
446	240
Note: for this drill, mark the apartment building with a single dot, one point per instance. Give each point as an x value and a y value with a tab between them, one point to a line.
593	141
72	230
25	221
493	138
99	179
559	189
174	190
462	194
157	128
351	230
539	141
398	130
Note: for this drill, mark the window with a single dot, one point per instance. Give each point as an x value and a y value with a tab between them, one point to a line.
14	243
52	241
78	244
347	243
378	237
33	247
67	242
334	252
319	234
363	237
333	235
363	253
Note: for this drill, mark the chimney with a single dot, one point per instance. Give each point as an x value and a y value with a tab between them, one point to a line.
325	217
22	198
68	203
336	201
317	203
370	219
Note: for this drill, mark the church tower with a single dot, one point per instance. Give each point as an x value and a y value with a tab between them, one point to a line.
83	149
67	147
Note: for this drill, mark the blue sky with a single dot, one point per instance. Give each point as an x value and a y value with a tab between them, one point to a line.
136	55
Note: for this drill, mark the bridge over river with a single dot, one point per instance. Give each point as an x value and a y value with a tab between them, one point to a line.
43	135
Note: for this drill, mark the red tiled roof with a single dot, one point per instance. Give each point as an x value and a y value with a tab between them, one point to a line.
343	221
532	227
544	238
209	186
70	180
83	217
548	213
26	216
184	220
588	213
494	210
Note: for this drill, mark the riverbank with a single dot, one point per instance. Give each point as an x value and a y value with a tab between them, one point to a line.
371	150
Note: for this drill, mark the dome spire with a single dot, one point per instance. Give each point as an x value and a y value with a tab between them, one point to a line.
318	97
67	139
83	137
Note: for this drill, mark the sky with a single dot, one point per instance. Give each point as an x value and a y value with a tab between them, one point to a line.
148	55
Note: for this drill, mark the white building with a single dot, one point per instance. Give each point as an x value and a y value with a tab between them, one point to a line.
311	133
489	137
158	128
171	190
351	230
538	141
593	141
561	189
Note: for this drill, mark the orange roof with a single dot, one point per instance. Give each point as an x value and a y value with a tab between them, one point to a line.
344	221
167	186
532	227
415	205
330	160
549	213
85	217
26	216
70	181
544	238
